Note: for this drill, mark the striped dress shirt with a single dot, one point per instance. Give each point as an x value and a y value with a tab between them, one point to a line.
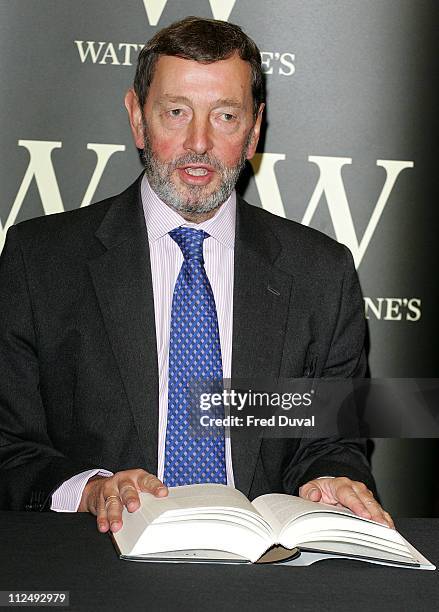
166	260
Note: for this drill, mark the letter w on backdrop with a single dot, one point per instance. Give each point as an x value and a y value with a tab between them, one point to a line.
41	169
330	184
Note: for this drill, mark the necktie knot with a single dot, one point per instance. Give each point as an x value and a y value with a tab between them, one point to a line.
190	241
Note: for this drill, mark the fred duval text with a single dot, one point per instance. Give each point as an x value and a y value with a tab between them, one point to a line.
250	420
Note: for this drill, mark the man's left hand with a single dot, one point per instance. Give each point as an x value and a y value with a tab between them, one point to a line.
343	492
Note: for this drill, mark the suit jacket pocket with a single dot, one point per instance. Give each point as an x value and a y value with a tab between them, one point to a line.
310	366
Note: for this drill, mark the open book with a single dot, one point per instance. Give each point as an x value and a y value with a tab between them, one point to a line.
217	523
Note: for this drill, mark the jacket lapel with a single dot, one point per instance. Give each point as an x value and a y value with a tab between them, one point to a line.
260	310
123	284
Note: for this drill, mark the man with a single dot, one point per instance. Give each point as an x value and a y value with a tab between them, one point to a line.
93	308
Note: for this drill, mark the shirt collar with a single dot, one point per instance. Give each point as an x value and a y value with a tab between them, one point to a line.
161	219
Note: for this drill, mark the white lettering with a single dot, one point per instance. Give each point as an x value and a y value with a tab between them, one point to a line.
41	169
414	309
287	60
103	154
266	57
369	305
127	46
331	185
221	9
110	53
90	50
284	421
393	312
154	10
205	401
393	309
266	182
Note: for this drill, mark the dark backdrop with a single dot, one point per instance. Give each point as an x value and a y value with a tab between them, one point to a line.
349	149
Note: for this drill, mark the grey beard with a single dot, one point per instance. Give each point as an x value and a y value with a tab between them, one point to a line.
159	178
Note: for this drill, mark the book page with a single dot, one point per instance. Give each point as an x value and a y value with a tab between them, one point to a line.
280	509
295	520
333	525
195	517
342	529
193	497
345	538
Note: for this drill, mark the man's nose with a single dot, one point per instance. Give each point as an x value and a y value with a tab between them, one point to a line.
198	137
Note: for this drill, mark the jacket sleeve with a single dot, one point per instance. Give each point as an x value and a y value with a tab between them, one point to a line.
338	456
30	467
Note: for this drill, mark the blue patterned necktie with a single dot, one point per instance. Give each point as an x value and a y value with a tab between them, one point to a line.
193	454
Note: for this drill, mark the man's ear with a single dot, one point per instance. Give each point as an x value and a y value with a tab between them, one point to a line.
256	130
135	116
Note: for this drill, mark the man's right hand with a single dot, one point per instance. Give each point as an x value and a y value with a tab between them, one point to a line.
105	497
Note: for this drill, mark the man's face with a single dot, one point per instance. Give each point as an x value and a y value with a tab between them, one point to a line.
197	130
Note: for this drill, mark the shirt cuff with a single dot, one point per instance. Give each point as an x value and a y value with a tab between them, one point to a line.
67	497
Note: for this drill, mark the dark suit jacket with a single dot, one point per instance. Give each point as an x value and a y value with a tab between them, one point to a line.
78	360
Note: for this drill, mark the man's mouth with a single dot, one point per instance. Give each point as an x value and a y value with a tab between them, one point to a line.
196	174
196	171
